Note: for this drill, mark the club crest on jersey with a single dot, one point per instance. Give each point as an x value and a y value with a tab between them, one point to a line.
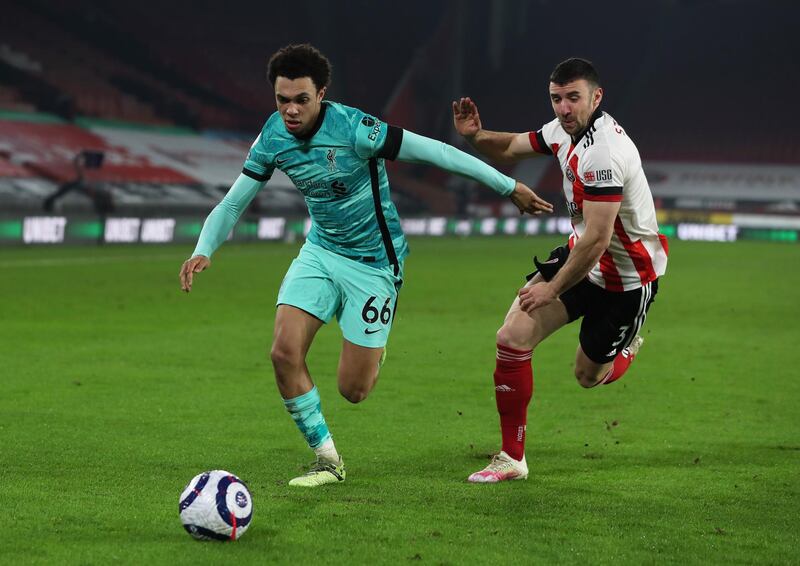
570	175
331	157
573	209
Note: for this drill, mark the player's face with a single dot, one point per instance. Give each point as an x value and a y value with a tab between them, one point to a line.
298	102
574	103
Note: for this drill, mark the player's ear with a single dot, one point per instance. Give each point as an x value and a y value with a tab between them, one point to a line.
321	93
598	96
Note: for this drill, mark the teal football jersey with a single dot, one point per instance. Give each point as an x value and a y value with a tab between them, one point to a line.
340	168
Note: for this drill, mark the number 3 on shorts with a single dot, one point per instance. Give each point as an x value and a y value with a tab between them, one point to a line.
622	332
370	313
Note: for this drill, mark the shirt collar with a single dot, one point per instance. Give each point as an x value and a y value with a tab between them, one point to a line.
596	116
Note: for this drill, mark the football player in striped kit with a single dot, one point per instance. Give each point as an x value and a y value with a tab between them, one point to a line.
607	274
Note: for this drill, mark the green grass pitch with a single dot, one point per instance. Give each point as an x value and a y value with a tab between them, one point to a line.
117	389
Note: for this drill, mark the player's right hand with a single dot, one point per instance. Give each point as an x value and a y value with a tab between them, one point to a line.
466	118
528	201
191	266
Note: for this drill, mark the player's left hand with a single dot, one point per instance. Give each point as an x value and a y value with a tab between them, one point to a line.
466	118
528	201
536	296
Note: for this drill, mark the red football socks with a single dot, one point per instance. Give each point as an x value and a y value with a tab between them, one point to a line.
513	389
621	364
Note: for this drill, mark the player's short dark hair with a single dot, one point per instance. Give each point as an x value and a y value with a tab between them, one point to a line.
574	69
297	61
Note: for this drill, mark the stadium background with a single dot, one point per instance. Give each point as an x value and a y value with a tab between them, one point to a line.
118	388
173	95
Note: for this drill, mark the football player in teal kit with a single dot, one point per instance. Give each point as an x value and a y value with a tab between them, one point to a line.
351	265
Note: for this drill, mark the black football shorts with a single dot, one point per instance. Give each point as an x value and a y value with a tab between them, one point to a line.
611	320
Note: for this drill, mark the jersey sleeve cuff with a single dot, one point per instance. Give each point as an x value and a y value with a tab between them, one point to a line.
391	146
260	177
538	144
602	194
202	250
510	185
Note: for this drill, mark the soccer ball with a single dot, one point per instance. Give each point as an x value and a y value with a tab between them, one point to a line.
216	505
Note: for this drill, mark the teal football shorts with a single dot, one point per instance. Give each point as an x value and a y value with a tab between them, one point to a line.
363	298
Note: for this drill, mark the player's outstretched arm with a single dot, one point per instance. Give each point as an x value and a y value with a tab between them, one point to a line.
217	227
419	149
501	147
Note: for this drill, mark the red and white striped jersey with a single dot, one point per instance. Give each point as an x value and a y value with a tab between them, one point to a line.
604	165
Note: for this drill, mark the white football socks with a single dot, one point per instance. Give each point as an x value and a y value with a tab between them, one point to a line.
327	452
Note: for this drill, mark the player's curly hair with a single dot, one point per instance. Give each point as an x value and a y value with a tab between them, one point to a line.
300	60
574	69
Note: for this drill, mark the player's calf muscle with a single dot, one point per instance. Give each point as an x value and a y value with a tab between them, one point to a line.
588	378
587	372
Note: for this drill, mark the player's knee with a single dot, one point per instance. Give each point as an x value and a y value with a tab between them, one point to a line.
354	394
356	387
586	377
509	336
284	357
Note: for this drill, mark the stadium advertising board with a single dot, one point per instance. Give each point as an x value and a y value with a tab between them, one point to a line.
709	185
160	230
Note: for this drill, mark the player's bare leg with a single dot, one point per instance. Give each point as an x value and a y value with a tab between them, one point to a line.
591	373
520	334
294	331
521	330
358	370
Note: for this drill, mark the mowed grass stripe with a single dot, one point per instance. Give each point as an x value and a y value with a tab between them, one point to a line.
118	388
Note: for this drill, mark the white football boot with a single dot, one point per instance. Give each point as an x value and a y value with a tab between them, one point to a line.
502	467
633	348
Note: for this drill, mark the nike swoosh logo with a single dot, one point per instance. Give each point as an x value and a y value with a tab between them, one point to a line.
368	331
281	161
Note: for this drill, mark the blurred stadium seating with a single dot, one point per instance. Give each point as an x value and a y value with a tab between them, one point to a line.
173	93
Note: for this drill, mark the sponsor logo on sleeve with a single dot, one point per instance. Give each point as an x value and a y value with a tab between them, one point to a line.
603	175
371	122
597	176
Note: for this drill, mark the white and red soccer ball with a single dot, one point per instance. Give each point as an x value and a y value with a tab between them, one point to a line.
216	505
